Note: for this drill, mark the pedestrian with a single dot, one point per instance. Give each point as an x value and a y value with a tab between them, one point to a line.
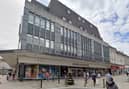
86	77
127	73
47	75
9	75
110	84
94	78
98	75
108	75
0	81
13	76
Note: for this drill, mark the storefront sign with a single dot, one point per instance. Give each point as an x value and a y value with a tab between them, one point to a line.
80	64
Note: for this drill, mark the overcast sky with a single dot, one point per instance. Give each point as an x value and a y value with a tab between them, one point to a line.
110	16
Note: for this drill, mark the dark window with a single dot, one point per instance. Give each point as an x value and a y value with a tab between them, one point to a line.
29	46
30	29
36	48
47	34
42	33
36	31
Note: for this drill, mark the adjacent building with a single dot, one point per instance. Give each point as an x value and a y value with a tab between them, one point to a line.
119	61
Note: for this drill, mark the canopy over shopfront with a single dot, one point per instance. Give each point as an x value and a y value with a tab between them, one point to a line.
117	67
3	64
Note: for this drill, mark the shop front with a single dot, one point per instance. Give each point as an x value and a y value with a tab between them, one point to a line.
117	69
53	67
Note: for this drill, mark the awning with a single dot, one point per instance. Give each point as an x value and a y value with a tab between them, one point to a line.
4	65
115	67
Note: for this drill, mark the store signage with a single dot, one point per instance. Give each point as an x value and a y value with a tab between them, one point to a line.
80	64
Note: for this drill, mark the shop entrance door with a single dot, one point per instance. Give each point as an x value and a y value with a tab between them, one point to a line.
77	72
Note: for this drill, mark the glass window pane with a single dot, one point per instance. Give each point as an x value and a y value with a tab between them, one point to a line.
62	30
68	34
30	29
65	47
71	49
47	25
52	44
42	42
47	44
42	33
75	50
36	31
68	48
52	27
31	18
37	20
61	46
72	34
42	23
65	32
29	46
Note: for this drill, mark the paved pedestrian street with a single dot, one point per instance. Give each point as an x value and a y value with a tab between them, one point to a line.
121	81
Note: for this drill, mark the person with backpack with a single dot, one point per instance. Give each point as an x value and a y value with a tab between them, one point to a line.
94	78
110	84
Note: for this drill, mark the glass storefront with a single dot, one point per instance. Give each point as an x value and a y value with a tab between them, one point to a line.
47	72
31	71
36	71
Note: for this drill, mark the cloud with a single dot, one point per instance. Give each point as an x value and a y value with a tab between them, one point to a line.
110	16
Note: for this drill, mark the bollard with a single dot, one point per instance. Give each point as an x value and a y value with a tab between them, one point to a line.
58	80
85	82
103	83
41	84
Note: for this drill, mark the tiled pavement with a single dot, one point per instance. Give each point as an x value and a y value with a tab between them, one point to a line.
121	81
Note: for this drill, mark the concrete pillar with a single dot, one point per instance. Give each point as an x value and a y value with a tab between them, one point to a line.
92	47
102	54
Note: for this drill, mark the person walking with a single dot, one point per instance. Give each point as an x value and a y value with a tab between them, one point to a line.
86	78
94	78
110	84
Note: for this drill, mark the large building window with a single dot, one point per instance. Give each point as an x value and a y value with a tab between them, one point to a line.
62	31
42	42
52	27
68	33
72	34
37	20
31	18
30	29
47	25
42	23
36	48
42	33
61	46
68	48
97	50
52	44
65	32
47	43
106	53
72	49
36	31
29	46
65	48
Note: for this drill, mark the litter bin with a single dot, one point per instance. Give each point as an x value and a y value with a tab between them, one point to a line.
69	80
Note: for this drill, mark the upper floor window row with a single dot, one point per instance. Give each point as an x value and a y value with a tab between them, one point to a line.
41	22
68	33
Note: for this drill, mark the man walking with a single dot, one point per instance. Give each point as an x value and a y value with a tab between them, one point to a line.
94	78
